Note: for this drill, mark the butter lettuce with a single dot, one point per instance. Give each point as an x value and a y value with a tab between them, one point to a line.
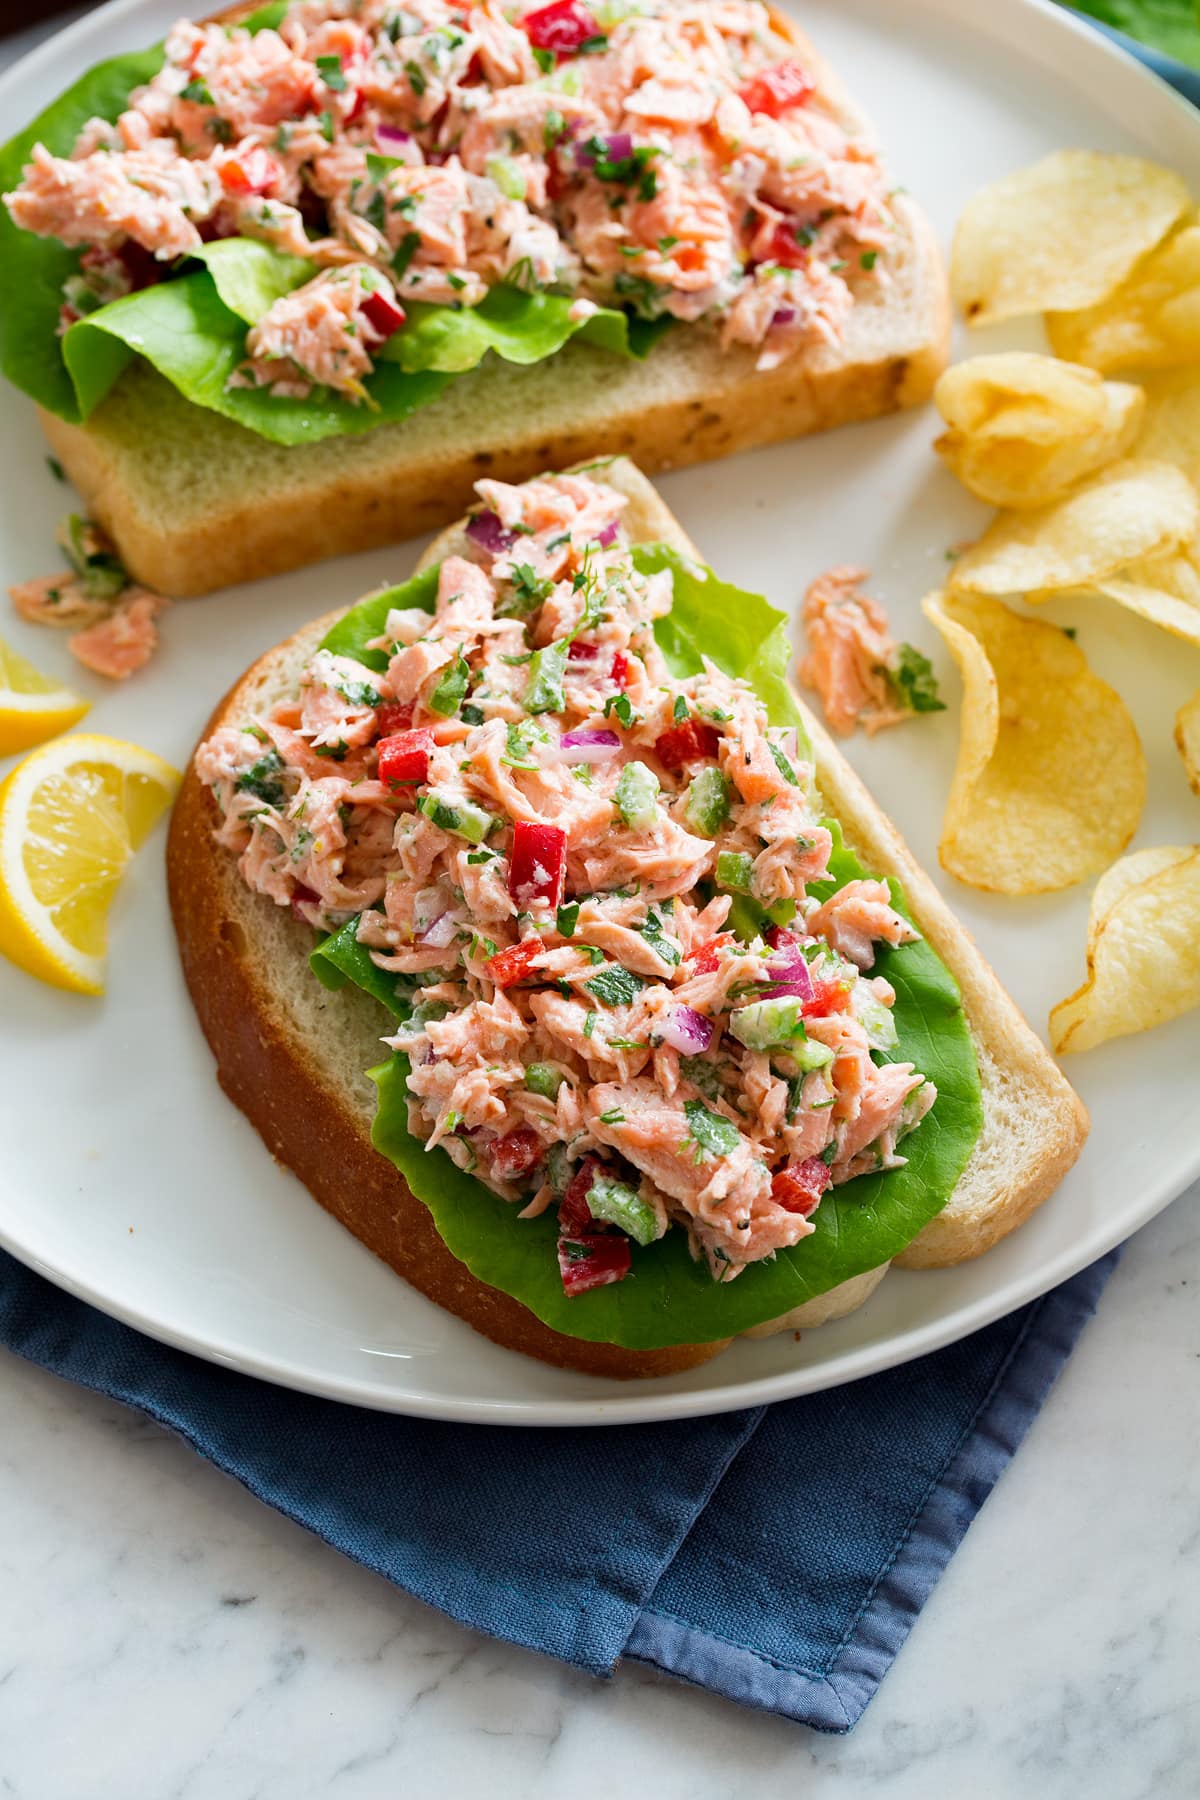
192	327
668	1298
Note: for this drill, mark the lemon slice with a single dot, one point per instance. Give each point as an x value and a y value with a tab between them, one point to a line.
71	816
32	707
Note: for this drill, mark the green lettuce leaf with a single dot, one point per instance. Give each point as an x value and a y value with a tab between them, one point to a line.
521	327
341	958
355	629
33	269
1172	26
668	1298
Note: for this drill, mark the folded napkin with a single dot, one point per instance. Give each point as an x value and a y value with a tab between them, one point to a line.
777	1556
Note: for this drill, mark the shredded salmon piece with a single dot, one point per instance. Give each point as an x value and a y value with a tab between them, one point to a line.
850	651
121	644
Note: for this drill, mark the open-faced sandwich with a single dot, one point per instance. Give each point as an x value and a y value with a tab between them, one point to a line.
678	1042
285	287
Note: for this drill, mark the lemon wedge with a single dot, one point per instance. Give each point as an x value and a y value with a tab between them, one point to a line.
32	706
71	816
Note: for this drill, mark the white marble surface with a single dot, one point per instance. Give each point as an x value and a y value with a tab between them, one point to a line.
163	1635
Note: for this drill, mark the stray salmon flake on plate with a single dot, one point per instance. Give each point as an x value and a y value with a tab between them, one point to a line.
590	879
673	158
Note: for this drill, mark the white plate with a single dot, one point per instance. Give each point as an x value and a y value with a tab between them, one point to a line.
127	1178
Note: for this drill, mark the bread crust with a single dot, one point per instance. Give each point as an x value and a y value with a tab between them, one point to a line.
283	507
309	1122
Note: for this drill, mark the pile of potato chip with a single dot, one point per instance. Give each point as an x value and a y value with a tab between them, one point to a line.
1093	457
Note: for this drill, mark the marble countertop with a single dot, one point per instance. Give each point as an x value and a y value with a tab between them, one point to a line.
163	1636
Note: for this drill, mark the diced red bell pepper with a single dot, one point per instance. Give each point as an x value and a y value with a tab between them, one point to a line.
516	1154
786	248
393	716
827	997
686	742
404	757
620	669
574	1216
776	90
591	1262
578	651
251	171
799	1187
384	315
563	27
513	964
537	865
705	961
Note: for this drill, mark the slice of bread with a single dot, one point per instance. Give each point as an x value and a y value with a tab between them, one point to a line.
194	502
293	1056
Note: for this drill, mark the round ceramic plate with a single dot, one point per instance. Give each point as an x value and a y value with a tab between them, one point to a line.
130	1180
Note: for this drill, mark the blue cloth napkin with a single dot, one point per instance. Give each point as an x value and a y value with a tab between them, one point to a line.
777	1556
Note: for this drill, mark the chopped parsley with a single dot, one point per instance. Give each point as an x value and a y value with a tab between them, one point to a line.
868	259
264	779
566	919
197	91
680	710
615	986
329	68
913	681
710	1130
620	705
614	1116
633	170
416	78
783	765
652	931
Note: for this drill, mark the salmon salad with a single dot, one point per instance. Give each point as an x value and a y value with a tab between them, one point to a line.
590	880
671	158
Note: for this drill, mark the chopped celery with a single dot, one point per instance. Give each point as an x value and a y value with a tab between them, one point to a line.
461	816
875	1018
768	1024
637	796
507	176
544	1079
707	805
544	692
618	1204
735	872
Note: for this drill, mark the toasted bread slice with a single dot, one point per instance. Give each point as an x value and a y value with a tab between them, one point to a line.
293	1056
195	502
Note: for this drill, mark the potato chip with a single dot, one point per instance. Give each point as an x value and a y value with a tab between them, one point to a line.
1060	235
1143	953
1050	778
1024	428
1152	321
1171	427
1162	589
1187	737
1131	509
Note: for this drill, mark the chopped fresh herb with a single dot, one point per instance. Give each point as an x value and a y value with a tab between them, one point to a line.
652	930
702	1074
566	919
197	91
710	1130
359	693
624	170
325	121
589	1025
1070	631
868	259
544	60
829	1153
620	705
416	78
590	951
615	986
614	1116
481	856
264	779
329	68
529	589
447	695
913	681
335	752
783	765
679	711
667	243
55	468
407	248
471	715
518	745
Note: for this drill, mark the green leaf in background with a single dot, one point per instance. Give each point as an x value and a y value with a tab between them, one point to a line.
33	269
249	277
669	1299
1172	26
341	958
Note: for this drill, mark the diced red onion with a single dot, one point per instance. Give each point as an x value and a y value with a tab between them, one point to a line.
589	744
608	535
686	1030
390	138
617	146
486	530
798	988
783	315
440	934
